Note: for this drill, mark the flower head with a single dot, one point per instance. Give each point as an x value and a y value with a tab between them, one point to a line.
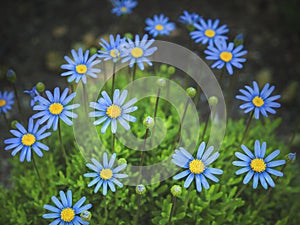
112	111
33	94
6	101
55	107
137	51
64	212
189	18
226	55
176	190
123	7
196	167
26	140
111	50
105	175
208	31
259	101
159	25
81	66
257	165
140	189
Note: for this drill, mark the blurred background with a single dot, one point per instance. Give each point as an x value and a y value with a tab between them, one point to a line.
36	34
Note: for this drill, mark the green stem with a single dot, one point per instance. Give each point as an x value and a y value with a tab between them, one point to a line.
155	112
172	210
113	80
186	202
17	98
205	127
37	171
105	210
85	98
144	146
247	127
136	219
113	139
61	143
181	121
6	121
240	191
133	72
196	99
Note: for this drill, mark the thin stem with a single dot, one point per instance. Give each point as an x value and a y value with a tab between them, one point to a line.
228	93
61	143
105	210
196	99
247	127
181	121
138	210
240	191
186	202
221	77
104	71
133	72
113	79
17	98
205	127
144	146
6	121
85	99
155	112
172	210
113	139
37	171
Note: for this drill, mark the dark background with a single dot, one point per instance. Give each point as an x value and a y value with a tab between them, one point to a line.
36	34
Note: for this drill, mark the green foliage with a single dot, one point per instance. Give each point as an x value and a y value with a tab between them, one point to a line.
22	202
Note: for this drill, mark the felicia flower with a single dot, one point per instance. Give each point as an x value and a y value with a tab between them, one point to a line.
55	108
189	18
113	111
6	101
105	175
122	7
111	50
64	212
196	168
259	101
258	166
33	94
159	25
81	67
226	55
138	51
208	32
26	140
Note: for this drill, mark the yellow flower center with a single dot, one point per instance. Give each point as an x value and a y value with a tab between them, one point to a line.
81	68
258	101
159	27
210	33
114	111
226	56
106	174
137	52
28	139
2	102
123	9
196	166
114	53
67	215
258	165
56	108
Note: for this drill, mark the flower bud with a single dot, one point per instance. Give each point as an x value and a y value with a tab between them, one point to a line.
191	92
148	122
122	161
171	70
86	215
128	35
213	100
11	76
93	50
13	124
291	157
163	68
140	189
40	87
161	82
176	190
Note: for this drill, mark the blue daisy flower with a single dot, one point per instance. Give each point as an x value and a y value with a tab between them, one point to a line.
64	212
6	101
259	101
111	50
113	111
226	55
258	166
138	51
33	94
55	107
159	25
196	168
189	18
208	31
81	67
105	175
123	7
26	140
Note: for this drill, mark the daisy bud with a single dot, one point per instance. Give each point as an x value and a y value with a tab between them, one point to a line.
122	161
140	189
213	100
86	215
93	50
171	70
191	92
13	124
128	35
163	68
291	157
40	87
238	40
176	190
148	122
11	76
161	82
